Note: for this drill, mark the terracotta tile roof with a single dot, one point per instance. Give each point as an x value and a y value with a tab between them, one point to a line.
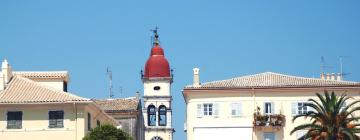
23	90
120	104
42	74
270	80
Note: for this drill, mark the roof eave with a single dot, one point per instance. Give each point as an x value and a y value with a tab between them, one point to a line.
269	87
35	103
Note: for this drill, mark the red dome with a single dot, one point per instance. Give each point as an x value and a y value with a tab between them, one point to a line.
157	66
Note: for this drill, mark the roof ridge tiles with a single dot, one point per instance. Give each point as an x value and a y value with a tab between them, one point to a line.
272	79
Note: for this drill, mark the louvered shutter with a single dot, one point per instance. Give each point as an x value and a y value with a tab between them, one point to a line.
264	108
199	111
239	109
216	109
294	108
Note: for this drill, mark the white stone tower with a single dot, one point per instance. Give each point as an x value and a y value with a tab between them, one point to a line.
157	80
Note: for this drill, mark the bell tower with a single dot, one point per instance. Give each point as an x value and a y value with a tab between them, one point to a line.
157	80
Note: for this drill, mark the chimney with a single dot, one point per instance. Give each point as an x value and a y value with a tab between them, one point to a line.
332	76
2	83
196	81
6	74
339	77
328	76
6	70
322	76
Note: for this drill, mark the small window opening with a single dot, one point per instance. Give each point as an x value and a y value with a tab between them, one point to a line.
157	88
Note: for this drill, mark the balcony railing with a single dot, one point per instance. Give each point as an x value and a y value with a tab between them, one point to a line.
269	121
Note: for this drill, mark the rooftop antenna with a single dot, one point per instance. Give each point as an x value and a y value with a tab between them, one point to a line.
121	91
342	74
323	65
109	73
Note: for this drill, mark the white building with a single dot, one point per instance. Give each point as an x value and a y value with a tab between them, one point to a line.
157	81
228	109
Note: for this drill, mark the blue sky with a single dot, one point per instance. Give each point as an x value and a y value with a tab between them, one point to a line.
224	39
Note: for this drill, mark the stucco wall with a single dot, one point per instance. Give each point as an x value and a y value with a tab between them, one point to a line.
35	122
249	100
54	83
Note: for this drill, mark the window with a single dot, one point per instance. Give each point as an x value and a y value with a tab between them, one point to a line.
300	133
162	115
157	88
14	120
56	119
235	109
269	108
98	123
269	136
302	109
89	121
342	107
156	138
299	108
151	115
65	87
207	109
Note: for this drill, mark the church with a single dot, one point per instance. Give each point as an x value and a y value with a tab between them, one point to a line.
157	79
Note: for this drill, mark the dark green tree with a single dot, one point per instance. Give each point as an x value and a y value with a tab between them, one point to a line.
331	118
107	132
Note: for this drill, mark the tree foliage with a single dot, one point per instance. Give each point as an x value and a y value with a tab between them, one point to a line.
330	118
107	132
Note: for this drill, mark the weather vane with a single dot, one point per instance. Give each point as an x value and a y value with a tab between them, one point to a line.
156	35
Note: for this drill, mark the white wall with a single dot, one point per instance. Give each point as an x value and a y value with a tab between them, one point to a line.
54	83
249	100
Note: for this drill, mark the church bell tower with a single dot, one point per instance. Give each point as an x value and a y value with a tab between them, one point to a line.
157	79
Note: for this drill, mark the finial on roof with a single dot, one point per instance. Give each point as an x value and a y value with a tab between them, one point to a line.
156	35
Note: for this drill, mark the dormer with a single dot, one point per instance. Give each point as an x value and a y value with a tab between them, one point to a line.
55	79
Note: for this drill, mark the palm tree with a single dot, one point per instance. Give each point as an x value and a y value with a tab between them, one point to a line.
330	119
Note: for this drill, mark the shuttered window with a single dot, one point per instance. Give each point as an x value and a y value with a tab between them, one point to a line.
236	109
269	108
207	109
300	108
14	120
56	119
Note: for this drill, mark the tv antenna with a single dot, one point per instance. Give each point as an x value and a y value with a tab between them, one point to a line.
342	74
109	74
323	65
121	90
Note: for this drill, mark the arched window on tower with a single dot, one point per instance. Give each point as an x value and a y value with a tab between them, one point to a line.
162	115
156	138
151	115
